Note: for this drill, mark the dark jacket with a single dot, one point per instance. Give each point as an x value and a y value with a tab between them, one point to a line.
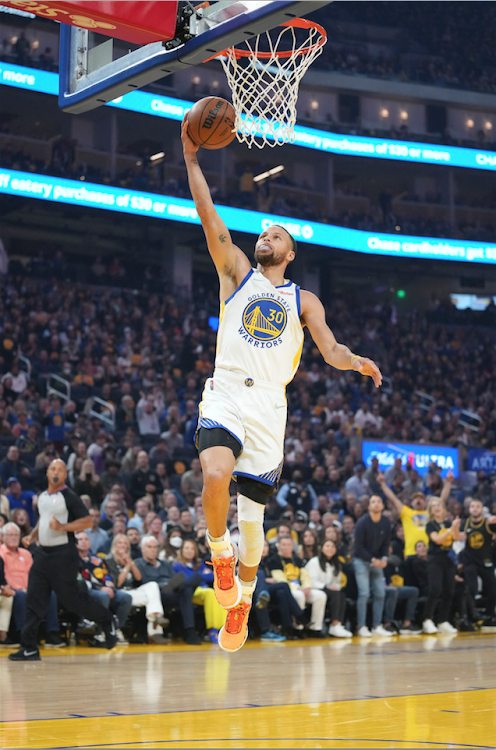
372	538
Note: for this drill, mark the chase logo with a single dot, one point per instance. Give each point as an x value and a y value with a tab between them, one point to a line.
264	319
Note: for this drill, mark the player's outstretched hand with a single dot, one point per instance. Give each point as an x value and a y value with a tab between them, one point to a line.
368	367
189	147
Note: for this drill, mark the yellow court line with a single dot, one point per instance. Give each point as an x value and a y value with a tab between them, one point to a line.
464	719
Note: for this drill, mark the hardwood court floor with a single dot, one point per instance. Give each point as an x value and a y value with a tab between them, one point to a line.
417	692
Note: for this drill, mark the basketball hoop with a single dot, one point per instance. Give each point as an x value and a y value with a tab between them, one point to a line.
264	76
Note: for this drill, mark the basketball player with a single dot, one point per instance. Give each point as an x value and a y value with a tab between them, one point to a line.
243	411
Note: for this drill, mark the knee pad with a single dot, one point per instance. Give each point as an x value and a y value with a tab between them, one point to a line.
251	532
254	490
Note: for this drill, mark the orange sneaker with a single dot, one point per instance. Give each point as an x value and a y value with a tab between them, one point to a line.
234	633
226	583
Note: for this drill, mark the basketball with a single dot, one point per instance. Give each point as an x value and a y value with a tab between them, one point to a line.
211	122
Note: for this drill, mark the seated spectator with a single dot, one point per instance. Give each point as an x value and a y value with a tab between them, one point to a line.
370	553
186	524
126	576
88	483
20	517
416	569
97	536
189	563
396	592
300	523
118	527
134	539
6	602
144	481
192	482
17	563
155	530
357	484
172	544
287	567
309	547
325	571
162	572
398	541
300	495
111	475
100	586
19	381
314	520
21	499
283	528
141	508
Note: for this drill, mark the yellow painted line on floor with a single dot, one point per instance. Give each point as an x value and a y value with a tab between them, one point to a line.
459	719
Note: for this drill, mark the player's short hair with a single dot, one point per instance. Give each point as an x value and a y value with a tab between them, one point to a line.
294	246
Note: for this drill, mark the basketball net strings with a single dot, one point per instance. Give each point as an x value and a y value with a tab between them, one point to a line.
265	91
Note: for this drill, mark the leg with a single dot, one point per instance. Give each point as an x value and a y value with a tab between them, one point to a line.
182	599
447	591
435	586
390	601
471	572
217	467
148	595
37	598
215	615
336	600
63	577
251	541
120	605
378	594
286	602
411	594
362	577
52	615
489	582
318	600
300	598
6	604
19	609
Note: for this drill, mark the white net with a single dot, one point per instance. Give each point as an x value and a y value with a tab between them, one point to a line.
264	77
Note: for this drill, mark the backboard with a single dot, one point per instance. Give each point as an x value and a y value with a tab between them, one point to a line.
95	70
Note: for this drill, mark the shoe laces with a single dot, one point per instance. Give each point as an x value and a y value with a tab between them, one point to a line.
236	616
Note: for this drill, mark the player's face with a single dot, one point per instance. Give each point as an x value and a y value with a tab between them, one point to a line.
273	247
476	508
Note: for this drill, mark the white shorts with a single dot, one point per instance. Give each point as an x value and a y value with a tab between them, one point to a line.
254	412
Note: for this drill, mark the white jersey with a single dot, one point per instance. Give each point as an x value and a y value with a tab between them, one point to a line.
260	333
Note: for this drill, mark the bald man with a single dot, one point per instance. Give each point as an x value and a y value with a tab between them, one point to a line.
56	564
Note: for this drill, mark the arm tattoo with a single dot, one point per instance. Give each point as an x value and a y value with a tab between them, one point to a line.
194	161
222	237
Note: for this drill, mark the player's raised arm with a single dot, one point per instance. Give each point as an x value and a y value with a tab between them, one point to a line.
229	260
336	355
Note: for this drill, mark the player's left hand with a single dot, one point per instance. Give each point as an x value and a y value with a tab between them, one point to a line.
368	367
56	525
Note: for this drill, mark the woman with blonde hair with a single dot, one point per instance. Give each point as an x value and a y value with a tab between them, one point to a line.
88	482
189	563
440	567
127	576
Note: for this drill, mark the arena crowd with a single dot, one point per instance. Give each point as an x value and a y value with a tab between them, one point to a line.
131	457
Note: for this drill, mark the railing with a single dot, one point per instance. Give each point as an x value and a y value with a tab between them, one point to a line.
470	419
426	400
107	416
25	364
387	385
55	387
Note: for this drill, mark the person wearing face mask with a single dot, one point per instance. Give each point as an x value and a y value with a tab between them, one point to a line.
171	545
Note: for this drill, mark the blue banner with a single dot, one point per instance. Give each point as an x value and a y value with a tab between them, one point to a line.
481	460
419	456
91	195
319	140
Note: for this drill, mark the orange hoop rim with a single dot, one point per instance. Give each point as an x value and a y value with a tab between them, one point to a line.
300	23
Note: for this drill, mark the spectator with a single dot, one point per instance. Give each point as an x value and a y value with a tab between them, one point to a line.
393	471
298	494
396	592
173	595
172	544
357	484
97	536
440	567
186	524
371	475
19	381
118	527
6	601
100	586
309	547
325	571
141	508
126	576
54	423
370	553
12	466
88	483
287	567
147	416
19	498
17	563
189	563
20	517
478	535
134	539
417	565
278	593
144	481
192	482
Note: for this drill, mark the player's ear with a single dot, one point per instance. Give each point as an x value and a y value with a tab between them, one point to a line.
291	256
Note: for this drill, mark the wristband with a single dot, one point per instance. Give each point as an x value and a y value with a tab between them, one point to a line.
355	356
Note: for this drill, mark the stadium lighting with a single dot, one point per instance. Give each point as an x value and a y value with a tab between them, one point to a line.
159	155
269	173
401	293
403	115
384	112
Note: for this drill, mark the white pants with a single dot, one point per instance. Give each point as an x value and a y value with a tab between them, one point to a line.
6	603
318	600
148	595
